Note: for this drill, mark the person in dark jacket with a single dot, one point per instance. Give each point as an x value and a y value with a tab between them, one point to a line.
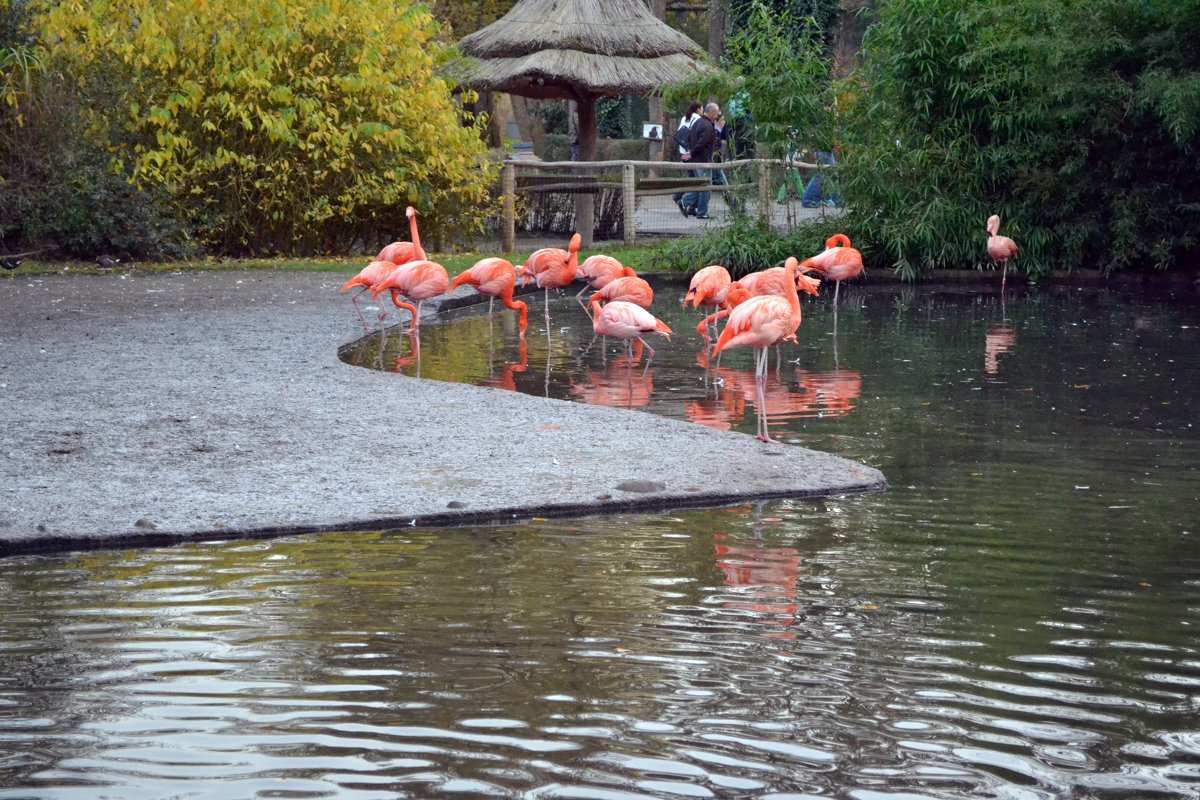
703	141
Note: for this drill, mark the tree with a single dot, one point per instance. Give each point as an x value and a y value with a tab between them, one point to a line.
276	127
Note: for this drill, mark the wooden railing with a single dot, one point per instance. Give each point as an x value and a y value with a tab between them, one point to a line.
580	179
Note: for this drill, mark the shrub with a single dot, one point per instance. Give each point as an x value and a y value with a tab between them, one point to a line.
1075	122
276	128
744	245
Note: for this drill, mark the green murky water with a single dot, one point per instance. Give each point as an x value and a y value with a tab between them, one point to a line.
1015	618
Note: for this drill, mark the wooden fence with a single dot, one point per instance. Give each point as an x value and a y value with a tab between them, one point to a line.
583	179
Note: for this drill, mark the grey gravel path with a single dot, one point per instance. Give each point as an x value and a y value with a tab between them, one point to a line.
149	408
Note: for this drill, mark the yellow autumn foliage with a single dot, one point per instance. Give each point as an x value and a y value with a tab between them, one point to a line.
295	127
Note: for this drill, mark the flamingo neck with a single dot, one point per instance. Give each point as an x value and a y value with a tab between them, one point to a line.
416	238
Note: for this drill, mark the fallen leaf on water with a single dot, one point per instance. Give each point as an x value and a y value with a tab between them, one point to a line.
547	426
1144	585
869	607
976	474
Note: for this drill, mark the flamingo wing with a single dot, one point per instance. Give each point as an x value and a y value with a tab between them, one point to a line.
759	322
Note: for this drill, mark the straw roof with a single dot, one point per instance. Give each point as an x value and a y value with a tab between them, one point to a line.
564	48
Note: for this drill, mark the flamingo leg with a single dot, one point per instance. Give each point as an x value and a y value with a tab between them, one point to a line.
760	382
546	292
353	299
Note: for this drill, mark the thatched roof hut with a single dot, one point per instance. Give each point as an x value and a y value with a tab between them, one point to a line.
580	50
570	49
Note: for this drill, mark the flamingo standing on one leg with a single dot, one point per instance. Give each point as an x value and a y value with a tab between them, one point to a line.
627	321
838	262
547	258
416	280
370	275
770	282
557	273
761	322
999	248
403	252
494	277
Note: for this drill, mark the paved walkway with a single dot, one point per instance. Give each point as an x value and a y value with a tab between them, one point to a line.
141	409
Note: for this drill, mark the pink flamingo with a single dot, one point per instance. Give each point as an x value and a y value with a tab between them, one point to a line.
762	322
770	282
403	252
416	280
708	288
624	320
736	295
629	288
838	262
494	277
556	271
370	275
599	271
999	248
547	258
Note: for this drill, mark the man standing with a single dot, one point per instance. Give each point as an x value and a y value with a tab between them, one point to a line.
702	143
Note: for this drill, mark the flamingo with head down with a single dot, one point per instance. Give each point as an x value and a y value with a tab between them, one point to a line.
627	321
708	288
494	277
600	270
629	288
370	275
416	280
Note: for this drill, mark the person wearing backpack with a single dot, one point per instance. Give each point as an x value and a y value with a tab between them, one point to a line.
703	141
681	139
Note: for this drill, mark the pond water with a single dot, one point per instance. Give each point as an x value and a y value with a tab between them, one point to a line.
1017	617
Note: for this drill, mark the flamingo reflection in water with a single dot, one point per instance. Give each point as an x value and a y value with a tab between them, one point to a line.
413	359
507	377
833	393
999	339
619	385
766	577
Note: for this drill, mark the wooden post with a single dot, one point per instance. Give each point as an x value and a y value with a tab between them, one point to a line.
629	202
585	202
764	192
508	209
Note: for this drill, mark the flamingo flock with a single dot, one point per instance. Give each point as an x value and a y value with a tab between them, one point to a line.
761	310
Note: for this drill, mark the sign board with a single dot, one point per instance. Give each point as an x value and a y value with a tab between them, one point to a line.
651	131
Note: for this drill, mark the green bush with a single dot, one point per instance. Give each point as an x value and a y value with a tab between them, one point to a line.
744	245
1075	122
293	128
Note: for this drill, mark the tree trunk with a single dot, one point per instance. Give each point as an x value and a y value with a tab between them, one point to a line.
585	206
716	29
657	149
